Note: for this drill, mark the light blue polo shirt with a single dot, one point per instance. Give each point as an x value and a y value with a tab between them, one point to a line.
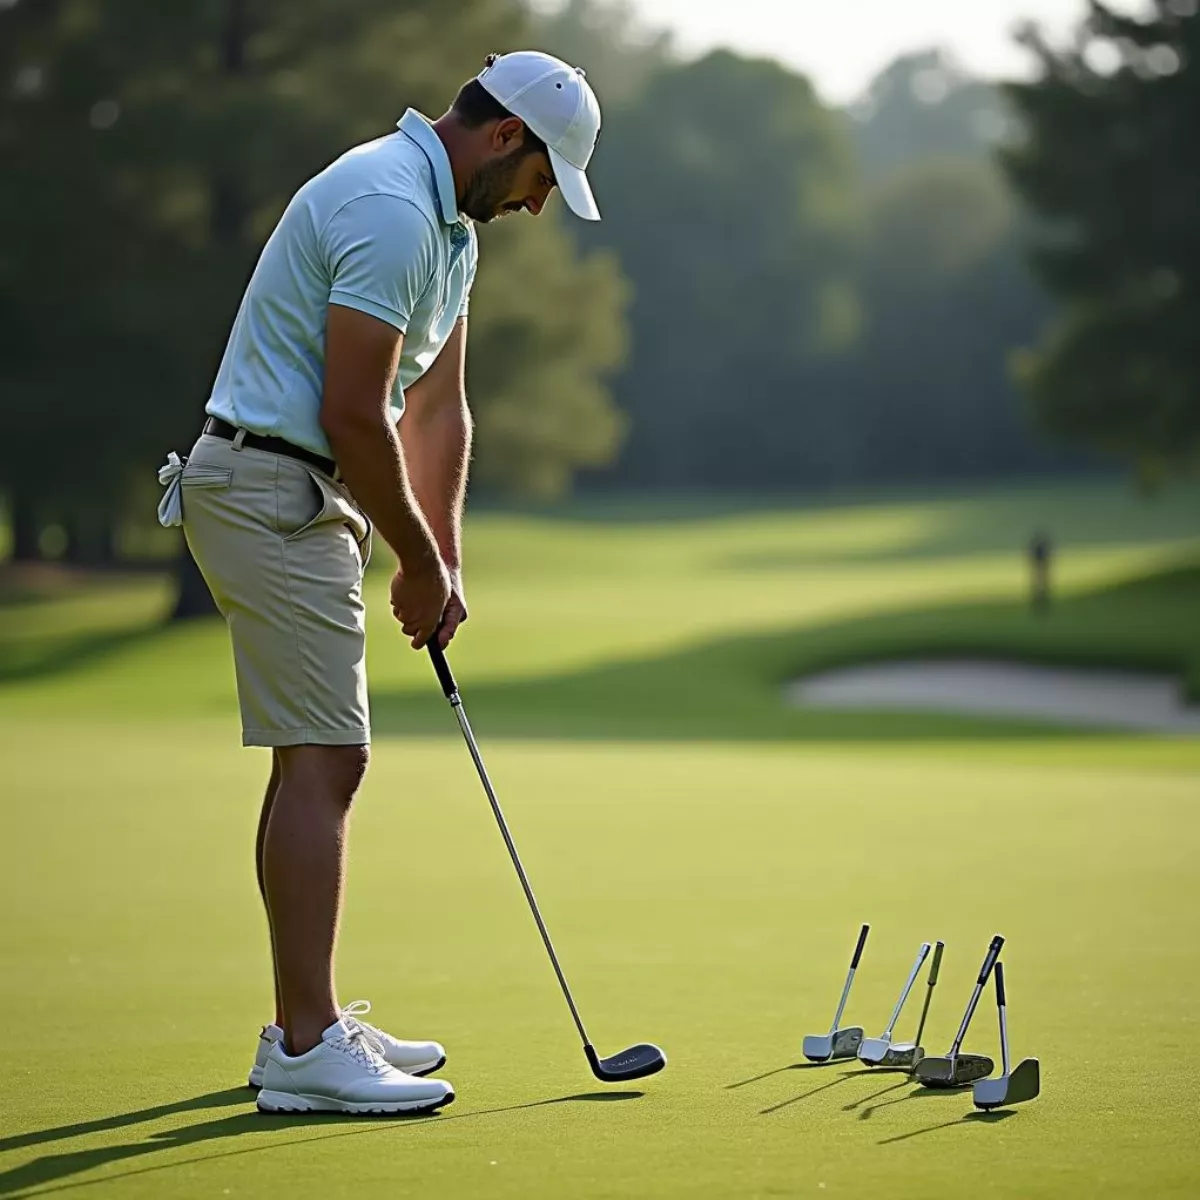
378	230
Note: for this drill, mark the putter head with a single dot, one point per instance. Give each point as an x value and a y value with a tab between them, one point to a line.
1024	1083
635	1063
830	1047
874	1050
959	1071
901	1056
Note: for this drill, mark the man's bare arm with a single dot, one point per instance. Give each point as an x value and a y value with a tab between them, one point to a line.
435	433
361	357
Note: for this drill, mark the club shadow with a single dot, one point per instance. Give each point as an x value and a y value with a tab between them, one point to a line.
866	1113
971	1118
57	1169
799	1066
842	1078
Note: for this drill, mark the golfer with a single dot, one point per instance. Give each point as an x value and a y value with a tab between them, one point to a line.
340	408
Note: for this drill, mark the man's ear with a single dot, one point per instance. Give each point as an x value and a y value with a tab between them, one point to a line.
508	134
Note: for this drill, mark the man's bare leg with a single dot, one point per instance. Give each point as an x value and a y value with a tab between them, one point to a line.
303	863
264	817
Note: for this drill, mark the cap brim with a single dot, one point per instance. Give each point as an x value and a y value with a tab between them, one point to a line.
573	183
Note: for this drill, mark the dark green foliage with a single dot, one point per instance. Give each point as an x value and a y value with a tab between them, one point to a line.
1112	163
155	146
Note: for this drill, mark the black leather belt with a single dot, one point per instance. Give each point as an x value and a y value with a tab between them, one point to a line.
273	445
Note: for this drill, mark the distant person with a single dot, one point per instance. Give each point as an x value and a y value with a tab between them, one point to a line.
339	407
1040	553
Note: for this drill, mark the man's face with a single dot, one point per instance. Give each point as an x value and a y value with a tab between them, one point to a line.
510	181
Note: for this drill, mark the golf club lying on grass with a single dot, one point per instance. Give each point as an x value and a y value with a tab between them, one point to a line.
634	1063
1011	1087
874	1050
839	1043
906	1055
955	1069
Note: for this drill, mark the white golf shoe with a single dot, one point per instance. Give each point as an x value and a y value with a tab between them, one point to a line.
345	1073
413	1058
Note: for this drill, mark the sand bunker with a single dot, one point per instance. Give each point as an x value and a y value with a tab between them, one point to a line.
1059	695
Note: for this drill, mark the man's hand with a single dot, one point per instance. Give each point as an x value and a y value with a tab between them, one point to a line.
456	610
419	598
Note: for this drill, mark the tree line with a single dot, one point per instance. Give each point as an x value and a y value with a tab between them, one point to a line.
782	294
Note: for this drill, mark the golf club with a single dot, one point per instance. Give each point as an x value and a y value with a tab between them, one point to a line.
839	1043
906	1055
1011	1087
637	1061
955	1069
874	1050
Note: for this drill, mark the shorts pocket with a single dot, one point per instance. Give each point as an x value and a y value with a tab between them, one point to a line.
206	475
307	500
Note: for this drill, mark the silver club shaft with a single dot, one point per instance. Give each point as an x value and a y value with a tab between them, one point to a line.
989	962
1002	1007
858	949
922	954
837	1016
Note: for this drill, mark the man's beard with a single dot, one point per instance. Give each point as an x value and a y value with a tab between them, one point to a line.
484	196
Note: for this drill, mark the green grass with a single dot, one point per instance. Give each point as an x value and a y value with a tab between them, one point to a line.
702	853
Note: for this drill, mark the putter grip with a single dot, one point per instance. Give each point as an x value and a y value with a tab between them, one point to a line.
1000	985
935	966
989	960
862	941
442	667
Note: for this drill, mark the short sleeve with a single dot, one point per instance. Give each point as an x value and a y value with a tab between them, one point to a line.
382	255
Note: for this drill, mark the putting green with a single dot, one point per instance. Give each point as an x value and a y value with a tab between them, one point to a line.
704	891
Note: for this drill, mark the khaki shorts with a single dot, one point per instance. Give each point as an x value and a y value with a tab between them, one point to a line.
282	548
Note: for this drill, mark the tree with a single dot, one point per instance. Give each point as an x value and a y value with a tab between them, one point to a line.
945	299
733	212
1111	162
924	106
187	128
605	38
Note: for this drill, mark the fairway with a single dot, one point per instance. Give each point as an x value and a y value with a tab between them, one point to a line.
703	855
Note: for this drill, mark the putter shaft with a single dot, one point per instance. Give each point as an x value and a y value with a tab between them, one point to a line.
1002	1008
858	949
989	962
922	954
934	967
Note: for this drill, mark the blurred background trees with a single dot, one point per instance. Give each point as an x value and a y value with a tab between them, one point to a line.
782	295
1111	162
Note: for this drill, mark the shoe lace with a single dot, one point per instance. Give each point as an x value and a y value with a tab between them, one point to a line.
353	1013
365	1049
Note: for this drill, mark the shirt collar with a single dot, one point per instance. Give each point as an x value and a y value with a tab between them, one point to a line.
420	129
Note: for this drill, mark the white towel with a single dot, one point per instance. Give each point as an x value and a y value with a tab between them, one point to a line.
170	507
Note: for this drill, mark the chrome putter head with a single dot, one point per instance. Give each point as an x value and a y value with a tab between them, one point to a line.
956	1069
873	1051
839	1043
1010	1087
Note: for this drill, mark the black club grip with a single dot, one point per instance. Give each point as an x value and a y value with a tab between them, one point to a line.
990	958
862	941
442	667
1000	1001
935	966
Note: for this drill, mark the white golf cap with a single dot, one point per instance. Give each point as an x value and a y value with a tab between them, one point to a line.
557	103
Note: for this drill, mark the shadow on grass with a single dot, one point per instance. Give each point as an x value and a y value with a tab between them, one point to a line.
53	1169
842	1078
731	688
870	1108
964	1122
800	1066
47	657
